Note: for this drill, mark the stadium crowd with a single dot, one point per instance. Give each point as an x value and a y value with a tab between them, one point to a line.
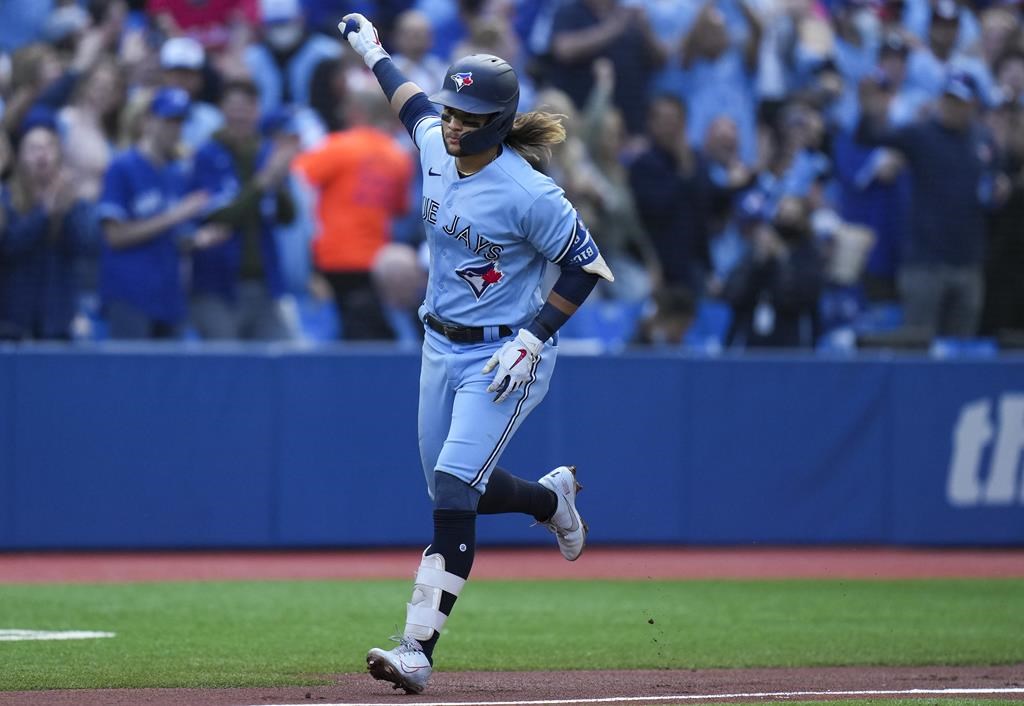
758	173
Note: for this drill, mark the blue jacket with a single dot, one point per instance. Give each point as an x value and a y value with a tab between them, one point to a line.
38	288
885	207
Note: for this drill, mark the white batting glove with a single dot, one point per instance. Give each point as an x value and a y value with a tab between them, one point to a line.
362	35
515	362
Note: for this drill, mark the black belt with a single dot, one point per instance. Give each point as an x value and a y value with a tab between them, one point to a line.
463	334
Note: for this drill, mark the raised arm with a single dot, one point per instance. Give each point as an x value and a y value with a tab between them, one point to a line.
752	48
408	101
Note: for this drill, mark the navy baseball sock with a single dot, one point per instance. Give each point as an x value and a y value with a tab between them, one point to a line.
509	493
455	540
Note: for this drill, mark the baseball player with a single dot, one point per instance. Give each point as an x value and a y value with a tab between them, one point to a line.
492	221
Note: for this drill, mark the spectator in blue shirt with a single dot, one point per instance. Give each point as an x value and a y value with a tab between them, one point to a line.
144	212
44	227
873	183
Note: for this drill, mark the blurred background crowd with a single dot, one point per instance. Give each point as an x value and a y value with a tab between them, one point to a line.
819	174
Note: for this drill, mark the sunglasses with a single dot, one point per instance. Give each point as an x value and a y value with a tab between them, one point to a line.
469	120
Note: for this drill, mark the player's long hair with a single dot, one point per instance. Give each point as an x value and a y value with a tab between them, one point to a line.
533	133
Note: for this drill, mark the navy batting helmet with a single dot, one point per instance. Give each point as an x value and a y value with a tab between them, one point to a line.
482	84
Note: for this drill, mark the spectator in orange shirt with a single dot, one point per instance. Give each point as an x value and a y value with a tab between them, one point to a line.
363	177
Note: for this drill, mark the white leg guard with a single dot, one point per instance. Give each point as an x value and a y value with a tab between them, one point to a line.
423	615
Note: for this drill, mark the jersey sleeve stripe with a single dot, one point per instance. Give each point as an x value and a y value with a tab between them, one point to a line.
416	127
568	245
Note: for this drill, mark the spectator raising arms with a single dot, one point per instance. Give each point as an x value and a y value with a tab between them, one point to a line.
953	179
45	227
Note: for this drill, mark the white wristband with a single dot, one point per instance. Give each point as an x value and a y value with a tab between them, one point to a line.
374	55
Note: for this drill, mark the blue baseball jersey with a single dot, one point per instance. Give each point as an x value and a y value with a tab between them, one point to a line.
489	234
148	275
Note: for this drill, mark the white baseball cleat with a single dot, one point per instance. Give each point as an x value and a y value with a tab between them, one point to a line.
405	666
566	523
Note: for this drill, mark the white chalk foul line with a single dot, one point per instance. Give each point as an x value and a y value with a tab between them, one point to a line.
12	635
702	697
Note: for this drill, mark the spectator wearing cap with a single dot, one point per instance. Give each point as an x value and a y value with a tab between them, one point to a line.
146	216
182	60
929	63
46	227
237	285
873	184
295	238
908	102
798	162
729	247
284	61
952	164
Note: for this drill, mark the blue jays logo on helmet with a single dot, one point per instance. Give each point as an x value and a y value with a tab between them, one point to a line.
462	79
480	278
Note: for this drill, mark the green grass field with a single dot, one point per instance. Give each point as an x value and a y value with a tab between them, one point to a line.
284	633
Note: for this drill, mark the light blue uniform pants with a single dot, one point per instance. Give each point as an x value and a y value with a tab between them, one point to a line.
462	431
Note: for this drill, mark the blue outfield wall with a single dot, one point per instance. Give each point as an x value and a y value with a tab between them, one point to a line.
171	447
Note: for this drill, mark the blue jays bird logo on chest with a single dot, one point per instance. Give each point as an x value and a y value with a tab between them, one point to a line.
462	79
480	278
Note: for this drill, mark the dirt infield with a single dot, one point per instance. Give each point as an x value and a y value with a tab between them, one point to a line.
605	687
497	563
610	687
